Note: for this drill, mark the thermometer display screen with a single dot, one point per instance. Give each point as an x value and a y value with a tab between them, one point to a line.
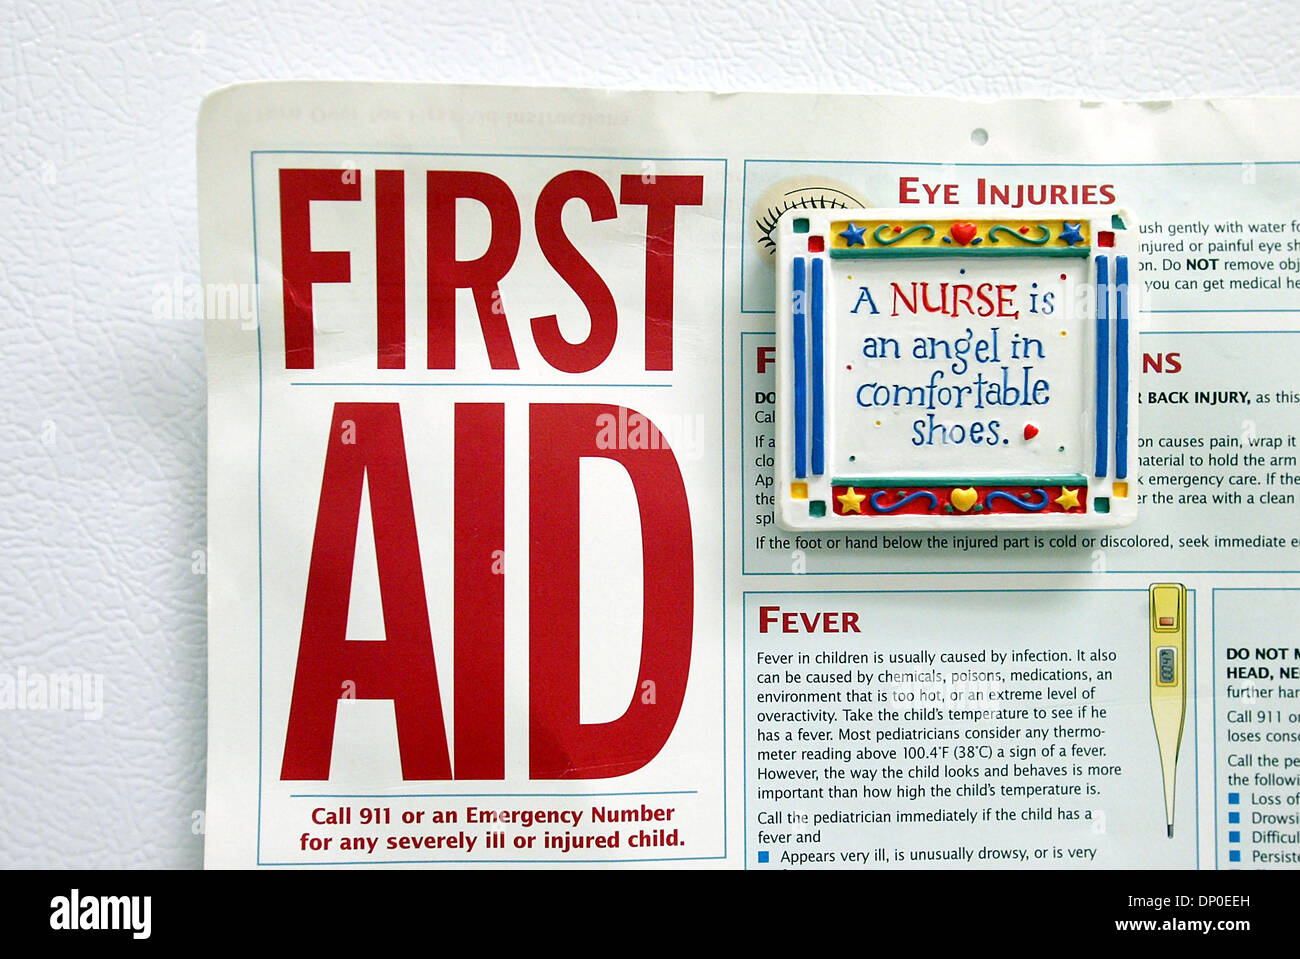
1168	660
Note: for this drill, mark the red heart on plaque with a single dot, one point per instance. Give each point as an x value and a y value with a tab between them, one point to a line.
963	232
1030	431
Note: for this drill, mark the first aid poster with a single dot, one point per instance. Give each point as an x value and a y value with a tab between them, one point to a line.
495	577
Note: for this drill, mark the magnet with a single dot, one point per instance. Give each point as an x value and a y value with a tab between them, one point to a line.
963	368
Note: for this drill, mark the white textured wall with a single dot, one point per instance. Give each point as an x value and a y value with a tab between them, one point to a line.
102	404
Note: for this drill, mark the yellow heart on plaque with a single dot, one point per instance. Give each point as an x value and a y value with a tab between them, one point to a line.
964	499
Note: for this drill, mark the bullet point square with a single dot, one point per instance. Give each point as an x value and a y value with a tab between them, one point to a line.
1234	817
1234	836
1234	855
1234	798
762	855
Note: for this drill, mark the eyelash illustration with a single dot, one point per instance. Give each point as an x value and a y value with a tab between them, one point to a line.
805	198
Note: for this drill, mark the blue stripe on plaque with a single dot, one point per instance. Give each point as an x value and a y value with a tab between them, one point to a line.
1121	366
1103	364
800	294
818	398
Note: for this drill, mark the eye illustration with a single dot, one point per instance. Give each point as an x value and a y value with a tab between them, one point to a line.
797	194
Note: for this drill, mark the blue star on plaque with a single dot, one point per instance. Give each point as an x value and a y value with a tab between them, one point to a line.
853	235
1071	234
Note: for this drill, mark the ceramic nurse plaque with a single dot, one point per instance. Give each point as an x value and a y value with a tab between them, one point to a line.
966	369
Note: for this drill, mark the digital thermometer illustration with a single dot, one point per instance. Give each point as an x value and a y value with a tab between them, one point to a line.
1168	612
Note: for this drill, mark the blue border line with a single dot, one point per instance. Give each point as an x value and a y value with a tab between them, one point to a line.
818	374
722	493
1214	713
257	298
1121	367
648	792
575	863
722	342
799	293
1196	714
507	156
1102	429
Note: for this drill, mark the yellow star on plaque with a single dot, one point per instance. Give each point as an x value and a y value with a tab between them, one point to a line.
1068	499
851	501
